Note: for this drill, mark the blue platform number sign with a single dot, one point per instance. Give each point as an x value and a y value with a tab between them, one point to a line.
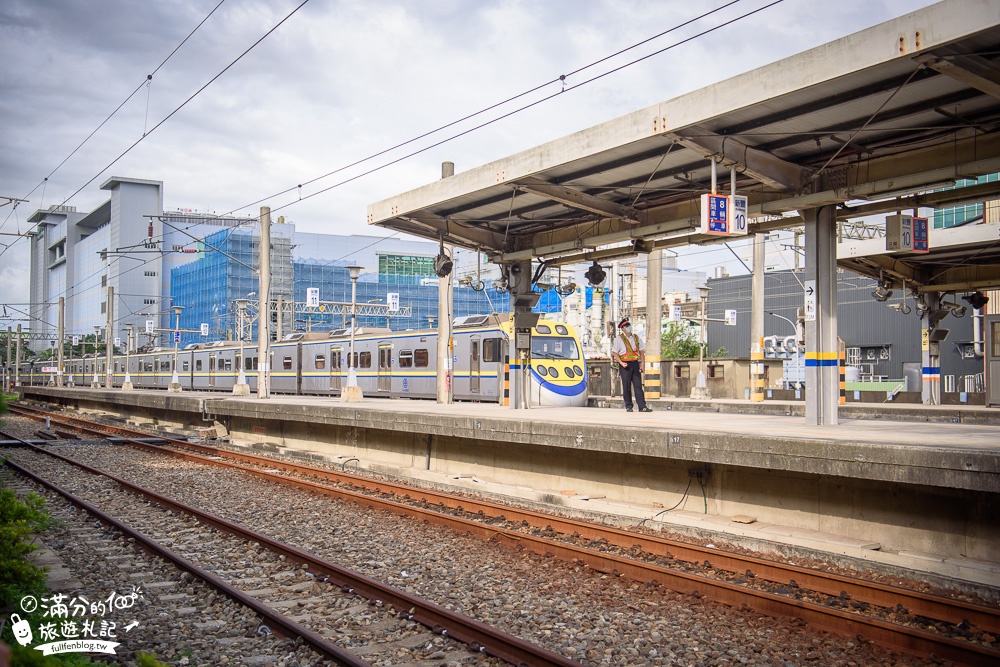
715	214
921	235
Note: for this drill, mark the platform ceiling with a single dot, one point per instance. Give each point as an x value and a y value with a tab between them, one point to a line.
906	106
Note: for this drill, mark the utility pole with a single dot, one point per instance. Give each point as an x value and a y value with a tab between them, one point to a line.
62	335
654	323
109	339
6	360
17	361
264	312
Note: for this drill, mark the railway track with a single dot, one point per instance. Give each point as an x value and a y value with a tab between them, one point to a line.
333	591
897	618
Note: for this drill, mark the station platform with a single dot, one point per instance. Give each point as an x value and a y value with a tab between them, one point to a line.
908	485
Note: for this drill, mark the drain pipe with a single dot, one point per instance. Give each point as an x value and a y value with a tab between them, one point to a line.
978	341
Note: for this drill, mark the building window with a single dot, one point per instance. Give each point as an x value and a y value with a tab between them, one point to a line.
717	372
104	281
150	274
682	372
149	302
104	307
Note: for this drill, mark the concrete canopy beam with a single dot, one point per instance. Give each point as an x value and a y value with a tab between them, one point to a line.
764	166
580	200
975	71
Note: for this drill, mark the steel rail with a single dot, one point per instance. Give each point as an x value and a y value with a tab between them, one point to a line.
888	634
479	636
874	593
279	622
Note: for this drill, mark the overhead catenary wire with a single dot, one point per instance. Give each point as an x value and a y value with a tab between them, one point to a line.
463	133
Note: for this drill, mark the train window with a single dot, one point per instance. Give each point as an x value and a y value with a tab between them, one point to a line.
286	363
420	358
562	330
551	347
251	364
224	364
148	366
164	365
491	350
543	329
475	350
336	359
320	362
366	360
185	366
406	358
197	364
385	357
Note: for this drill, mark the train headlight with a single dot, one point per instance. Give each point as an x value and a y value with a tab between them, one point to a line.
553	371
579	371
569	372
542	370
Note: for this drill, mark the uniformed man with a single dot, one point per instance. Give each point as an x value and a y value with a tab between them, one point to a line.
629	352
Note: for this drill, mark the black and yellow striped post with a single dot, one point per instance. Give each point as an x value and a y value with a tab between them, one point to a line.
843	370
506	380
757	372
651	381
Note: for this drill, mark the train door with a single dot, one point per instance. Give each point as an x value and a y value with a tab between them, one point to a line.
156	371
237	365
474	365
211	370
336	364
385	367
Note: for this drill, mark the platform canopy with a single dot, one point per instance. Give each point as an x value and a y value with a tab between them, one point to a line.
910	105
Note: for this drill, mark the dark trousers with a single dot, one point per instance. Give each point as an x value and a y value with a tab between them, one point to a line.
632	377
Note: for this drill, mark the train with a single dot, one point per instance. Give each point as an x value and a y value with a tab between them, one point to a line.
391	364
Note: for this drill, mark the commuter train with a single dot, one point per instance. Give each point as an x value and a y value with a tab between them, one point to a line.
393	364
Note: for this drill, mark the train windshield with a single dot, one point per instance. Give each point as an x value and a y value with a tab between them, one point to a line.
554	347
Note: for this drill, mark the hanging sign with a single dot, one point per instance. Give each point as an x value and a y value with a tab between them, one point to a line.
738	220
715	215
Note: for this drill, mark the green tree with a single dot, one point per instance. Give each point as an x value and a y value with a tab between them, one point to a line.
678	341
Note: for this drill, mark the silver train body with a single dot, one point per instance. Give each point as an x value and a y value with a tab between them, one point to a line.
391	364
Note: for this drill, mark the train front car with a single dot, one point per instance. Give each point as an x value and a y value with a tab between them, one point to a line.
558	369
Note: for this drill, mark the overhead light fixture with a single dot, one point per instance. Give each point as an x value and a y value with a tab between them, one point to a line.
566	289
595	274
977	299
642	246
544	287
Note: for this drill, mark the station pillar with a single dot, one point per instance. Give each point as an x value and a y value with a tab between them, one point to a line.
820	287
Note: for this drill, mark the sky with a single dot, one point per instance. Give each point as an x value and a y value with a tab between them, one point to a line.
275	102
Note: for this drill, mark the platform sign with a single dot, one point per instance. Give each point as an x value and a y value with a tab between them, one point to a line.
715	215
810	300
392	298
50	369
312	297
690	310
204	328
76	341
921	235
730	318
177	338
118	342
738	219
675	313
149	326
899	232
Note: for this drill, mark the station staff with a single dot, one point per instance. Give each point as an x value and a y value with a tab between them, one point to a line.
630	353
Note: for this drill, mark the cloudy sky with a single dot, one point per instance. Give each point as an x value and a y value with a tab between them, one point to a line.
339	81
